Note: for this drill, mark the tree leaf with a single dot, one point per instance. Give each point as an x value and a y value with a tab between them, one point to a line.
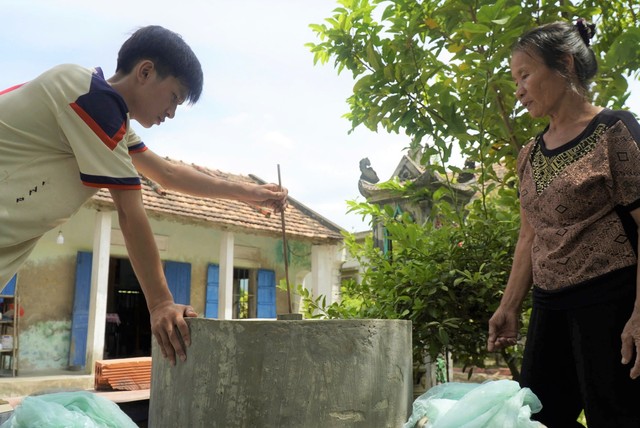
473	27
364	82
373	57
502	21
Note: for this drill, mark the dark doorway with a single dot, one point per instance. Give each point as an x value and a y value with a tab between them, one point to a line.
244	293
128	329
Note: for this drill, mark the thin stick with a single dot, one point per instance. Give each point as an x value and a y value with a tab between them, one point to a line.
284	249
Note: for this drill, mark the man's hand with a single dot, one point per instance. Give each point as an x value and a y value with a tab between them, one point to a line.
503	330
271	196
170	329
631	342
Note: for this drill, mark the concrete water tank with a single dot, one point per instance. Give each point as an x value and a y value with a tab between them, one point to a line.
263	373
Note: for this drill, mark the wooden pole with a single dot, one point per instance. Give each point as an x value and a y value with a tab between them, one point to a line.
284	249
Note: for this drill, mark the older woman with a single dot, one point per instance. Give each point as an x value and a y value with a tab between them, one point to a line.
577	248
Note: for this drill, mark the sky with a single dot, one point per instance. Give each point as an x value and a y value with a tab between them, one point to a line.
264	102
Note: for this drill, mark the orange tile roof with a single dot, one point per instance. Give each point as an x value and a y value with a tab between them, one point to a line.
300	221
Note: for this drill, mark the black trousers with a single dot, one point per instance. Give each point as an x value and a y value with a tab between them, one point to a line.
572	357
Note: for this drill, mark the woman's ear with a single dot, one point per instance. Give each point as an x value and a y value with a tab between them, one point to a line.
569	73
569	64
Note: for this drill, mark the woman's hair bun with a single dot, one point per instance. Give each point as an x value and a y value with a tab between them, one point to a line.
586	29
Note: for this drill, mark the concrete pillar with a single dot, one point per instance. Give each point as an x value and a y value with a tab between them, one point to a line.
322	257
99	289
225	292
311	373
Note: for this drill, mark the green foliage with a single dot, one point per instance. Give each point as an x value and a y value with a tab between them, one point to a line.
243	304
438	71
446	279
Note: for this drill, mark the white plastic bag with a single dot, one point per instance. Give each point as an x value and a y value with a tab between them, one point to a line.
500	403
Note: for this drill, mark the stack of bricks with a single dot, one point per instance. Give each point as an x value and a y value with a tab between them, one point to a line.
125	374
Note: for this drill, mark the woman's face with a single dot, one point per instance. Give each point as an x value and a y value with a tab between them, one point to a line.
539	88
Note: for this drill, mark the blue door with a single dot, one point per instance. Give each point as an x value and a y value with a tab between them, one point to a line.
266	294
178	276
10	288
213	288
80	315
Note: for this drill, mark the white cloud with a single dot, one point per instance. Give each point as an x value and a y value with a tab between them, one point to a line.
238	119
275	138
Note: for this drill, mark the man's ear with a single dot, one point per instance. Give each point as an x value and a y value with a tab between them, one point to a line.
144	70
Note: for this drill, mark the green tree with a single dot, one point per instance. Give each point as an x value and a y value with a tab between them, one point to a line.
438	71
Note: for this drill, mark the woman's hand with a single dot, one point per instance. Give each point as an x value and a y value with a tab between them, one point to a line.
631	341
503	329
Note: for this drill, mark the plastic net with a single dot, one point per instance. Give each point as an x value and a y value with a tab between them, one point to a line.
500	403
80	409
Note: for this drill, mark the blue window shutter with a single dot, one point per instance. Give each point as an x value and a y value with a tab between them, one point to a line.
178	276
80	315
10	288
213	287
266	294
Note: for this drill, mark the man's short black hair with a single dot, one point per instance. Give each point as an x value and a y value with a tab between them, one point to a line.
170	54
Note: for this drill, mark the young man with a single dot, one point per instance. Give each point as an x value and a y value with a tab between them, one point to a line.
66	133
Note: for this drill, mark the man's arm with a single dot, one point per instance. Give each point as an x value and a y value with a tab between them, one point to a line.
187	180
167	318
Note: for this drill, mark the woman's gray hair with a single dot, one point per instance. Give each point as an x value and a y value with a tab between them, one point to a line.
554	41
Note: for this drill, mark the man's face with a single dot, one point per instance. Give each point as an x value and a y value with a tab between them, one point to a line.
157	99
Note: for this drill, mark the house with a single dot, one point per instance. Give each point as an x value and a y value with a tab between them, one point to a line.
81	299
351	267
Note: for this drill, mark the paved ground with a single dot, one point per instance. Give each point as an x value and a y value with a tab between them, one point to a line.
479	375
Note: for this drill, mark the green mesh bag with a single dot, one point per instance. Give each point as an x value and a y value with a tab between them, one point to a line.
79	409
